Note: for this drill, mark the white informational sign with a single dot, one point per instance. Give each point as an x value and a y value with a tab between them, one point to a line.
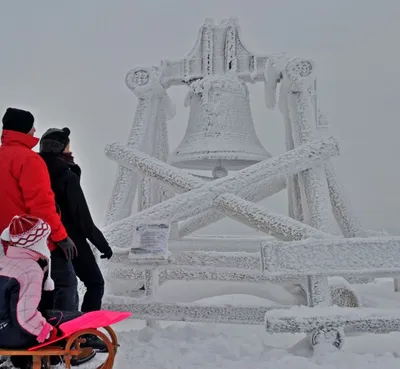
150	241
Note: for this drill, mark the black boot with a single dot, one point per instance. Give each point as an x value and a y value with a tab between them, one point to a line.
95	343
21	362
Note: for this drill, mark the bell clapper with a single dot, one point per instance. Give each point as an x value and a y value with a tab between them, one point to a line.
219	171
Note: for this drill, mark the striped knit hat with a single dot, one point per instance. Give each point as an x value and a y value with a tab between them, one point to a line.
31	233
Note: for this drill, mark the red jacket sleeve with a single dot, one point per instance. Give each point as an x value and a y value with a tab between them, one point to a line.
38	196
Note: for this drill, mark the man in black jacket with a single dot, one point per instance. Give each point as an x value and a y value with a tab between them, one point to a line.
75	215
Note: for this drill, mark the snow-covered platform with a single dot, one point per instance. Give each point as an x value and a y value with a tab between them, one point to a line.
304	319
208	346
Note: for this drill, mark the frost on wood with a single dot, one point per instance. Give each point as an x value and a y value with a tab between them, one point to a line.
240	260
256	216
348	222
319	293
293	186
273	75
153	101
150	191
126	181
343	293
305	319
193	273
334	256
152	167
255	192
228	314
201	199
313	185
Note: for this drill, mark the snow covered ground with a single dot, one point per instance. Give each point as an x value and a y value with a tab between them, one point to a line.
206	346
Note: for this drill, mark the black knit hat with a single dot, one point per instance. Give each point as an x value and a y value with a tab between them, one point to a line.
54	140
18	120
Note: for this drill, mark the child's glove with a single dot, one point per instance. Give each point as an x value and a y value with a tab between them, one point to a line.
54	334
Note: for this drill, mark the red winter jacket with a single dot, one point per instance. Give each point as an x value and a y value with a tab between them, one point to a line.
25	186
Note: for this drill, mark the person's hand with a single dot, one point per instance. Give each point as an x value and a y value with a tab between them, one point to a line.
107	255
68	247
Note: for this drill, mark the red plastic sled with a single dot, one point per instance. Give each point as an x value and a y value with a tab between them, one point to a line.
92	320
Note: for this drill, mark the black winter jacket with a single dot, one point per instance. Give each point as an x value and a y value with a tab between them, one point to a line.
75	214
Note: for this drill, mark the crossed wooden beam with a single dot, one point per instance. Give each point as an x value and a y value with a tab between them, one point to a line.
230	195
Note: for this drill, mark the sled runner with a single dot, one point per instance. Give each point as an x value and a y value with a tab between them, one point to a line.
73	333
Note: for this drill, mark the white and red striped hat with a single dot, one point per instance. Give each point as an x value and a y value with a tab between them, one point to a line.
31	233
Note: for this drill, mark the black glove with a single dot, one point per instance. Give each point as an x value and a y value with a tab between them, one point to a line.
68	247
107	255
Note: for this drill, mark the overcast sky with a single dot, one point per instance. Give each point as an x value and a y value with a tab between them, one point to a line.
66	61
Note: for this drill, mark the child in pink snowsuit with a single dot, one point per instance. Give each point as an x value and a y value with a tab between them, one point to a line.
24	273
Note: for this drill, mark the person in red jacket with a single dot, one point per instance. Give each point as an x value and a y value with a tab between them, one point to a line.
25	189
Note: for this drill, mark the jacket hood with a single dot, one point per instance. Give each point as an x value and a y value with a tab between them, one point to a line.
14	138
21	253
56	165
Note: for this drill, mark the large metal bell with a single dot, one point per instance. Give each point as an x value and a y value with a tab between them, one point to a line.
220	135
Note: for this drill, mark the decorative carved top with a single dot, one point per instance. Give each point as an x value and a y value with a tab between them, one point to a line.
297	69
301	74
144	81
136	78
218	49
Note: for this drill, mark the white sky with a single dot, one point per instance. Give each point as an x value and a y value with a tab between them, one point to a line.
66	61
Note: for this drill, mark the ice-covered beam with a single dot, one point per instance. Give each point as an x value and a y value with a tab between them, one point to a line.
273	75
254	193
297	76
348	222
201	199
333	256
200	259
190	312
183	182
242	260
280	226
182	273
214	259
313	184
304	319
153	100
152	167
185	273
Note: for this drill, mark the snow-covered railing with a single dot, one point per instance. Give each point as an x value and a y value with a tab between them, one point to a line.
190	312
256	216
201	266
333	256
304	319
317	259
327	325
189	266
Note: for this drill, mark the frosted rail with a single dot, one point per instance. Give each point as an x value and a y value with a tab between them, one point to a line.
334	256
257	217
